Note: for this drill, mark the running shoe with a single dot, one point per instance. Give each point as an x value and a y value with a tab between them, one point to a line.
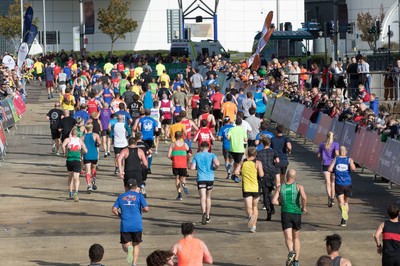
296	263
333	201
330	204
250	221
204	219
48	97
290	258
94	183
143	191
89	189
116	171
76	197
343	222
269	217
129	257
235	178
345	216
70	196
51	95
179	197
185	189
53	149
57	153
149	171
228	176
208	219
105	155
109	153
253	229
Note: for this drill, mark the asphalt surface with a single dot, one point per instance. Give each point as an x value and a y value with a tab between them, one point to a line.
39	226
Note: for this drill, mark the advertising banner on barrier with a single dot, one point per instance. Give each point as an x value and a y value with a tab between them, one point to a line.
324	125
270	106
372	151
2	135
312	129
348	136
19	104
275	111
304	121
359	146
389	159
337	128
291	108
13	110
281	115
9	118
294	124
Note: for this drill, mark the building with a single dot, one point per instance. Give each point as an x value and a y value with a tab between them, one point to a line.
238	22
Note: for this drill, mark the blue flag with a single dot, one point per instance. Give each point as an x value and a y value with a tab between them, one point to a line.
31	35
28	18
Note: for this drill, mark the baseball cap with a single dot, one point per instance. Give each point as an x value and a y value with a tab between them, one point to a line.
227	118
131	183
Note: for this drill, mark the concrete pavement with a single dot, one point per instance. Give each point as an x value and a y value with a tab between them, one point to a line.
38	226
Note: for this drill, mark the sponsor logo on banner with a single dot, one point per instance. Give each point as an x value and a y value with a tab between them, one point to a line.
389	160
324	125
2	135
19	104
294	125
22	53
9	118
13	111
348	136
304	121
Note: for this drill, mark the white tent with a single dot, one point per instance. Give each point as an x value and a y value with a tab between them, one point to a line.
36	48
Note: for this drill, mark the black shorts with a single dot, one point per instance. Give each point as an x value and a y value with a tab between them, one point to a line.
281	168
251	194
390	259
325	168
195	113
166	122
237	156
157	133
137	175
290	220
149	142
217	114
346	190
179	172
89	161
205	185
227	154
105	133
134	237
118	150
55	134
74	166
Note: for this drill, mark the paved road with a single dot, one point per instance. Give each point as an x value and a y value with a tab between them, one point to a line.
38	226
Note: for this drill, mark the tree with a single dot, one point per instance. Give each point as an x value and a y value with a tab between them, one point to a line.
10	23
113	21
366	23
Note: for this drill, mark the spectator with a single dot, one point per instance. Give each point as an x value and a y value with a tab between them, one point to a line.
96	253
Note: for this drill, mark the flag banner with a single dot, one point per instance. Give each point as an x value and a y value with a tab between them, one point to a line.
32	35
9	62
22	53
28	18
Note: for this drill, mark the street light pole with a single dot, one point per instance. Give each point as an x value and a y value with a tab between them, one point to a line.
398	18
44	28
22	20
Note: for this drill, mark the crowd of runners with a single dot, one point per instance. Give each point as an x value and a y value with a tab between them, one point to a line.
135	108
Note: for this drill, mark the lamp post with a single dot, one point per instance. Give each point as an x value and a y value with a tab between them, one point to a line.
398	18
22	20
44	28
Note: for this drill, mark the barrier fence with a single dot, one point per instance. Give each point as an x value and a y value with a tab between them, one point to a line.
11	110
365	147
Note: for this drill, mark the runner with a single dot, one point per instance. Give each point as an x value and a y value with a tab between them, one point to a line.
333	243
283	147
205	115
129	207
288	195
191	250
121	131
228	108
105	117
252	170
341	166
149	128
261	100
67	123
178	152
237	136
93	105
155	114
90	158
49	77
204	134
72	148
205	163
190	125
166	115
54	116
268	158
177	126
328	150
38	67
217	100
226	145
390	232
147	152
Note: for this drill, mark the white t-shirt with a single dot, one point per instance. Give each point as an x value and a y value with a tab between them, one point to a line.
120	140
